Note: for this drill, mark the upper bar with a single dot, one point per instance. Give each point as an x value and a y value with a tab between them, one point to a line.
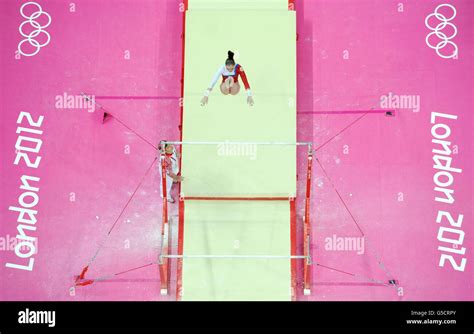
235	142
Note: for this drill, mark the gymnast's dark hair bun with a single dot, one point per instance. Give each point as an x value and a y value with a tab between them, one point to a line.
230	58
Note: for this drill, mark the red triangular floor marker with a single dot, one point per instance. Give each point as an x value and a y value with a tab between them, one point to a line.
106	117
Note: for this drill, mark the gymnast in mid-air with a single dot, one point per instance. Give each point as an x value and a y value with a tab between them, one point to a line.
230	73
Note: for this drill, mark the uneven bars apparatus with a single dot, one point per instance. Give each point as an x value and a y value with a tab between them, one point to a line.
165	257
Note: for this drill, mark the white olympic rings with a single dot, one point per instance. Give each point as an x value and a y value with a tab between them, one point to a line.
445	40
30	38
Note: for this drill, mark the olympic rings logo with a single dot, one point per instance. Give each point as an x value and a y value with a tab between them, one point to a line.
31	20
445	40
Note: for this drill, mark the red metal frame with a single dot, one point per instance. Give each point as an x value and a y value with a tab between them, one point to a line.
291	5
179	269
307	226
293	233
293	246
163	263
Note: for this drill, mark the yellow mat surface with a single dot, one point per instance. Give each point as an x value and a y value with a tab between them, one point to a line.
236	228
265	45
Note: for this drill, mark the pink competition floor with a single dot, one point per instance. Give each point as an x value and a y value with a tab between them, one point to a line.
376	168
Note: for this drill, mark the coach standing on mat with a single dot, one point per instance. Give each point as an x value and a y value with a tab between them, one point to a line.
230	73
171	169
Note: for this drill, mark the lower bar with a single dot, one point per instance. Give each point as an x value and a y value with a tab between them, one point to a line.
197	198
265	257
